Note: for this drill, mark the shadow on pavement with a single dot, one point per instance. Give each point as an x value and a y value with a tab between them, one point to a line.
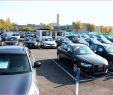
53	73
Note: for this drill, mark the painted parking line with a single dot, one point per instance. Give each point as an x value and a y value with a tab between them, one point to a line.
82	80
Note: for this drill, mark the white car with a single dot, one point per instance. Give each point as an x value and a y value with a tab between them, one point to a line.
17	35
17	71
48	43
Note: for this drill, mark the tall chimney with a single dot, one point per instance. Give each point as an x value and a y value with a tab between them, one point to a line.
58	19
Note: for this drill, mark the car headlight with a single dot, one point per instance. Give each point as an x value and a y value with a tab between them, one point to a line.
33	90
85	64
55	44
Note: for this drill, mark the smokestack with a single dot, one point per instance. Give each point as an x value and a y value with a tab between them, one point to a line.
58	19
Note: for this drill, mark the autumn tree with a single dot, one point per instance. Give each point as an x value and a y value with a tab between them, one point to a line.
78	25
105	29
5	25
8	24
2	24
91	27
48	26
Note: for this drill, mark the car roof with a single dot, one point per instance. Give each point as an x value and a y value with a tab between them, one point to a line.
76	44
105	44
12	50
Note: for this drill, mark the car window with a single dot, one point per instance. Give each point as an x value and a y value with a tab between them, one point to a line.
64	46
100	49
82	50
93	46
69	49
14	63
109	49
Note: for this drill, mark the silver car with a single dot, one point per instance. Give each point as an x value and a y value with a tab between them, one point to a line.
17	71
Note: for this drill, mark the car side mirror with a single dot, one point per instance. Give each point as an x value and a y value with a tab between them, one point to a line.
37	64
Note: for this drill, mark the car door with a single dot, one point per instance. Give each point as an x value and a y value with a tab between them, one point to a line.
70	54
101	51
63	50
65	46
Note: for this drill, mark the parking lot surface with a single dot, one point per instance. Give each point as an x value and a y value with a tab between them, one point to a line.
57	78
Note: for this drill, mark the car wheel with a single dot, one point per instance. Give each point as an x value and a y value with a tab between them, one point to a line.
111	66
75	68
59	57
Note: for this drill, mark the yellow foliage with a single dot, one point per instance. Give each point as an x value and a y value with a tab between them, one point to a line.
91	27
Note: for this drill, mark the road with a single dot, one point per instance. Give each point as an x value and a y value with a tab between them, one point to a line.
57	78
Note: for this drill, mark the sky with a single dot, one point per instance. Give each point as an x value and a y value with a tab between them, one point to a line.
36	12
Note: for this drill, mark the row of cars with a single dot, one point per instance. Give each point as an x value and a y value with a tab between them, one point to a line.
29	40
93	54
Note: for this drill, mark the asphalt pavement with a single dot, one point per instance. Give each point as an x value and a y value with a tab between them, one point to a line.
58	78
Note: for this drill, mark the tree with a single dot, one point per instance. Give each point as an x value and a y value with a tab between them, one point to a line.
91	27
29	29
2	24
8	25
105	29
102	29
15	27
49	27
78	25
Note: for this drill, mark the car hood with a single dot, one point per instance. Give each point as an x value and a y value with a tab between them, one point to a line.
50	42
92	59
15	84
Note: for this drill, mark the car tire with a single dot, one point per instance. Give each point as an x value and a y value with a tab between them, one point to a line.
111	66
59	57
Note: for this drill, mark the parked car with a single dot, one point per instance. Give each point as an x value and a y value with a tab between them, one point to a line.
106	51
17	71
31	42
3	37
83	57
78	39
11	41
93	41
48	43
105	41
17	35
109	37
61	40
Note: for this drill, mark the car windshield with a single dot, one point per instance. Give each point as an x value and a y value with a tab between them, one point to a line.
95	41
12	39
83	50
29	39
65	39
15	34
13	64
104	40
109	49
48	39
80	40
